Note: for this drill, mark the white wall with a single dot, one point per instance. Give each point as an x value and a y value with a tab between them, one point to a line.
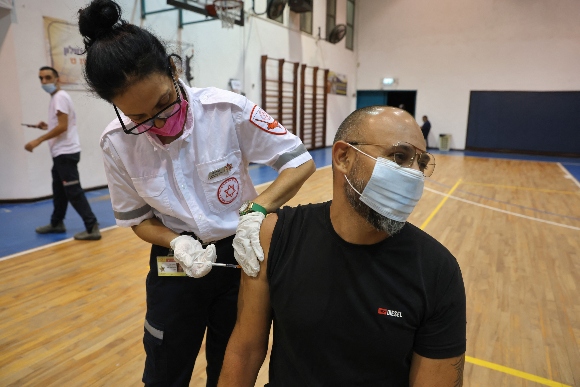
12	164
220	54
446	48
23	174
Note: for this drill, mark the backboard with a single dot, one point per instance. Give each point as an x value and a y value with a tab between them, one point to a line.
202	7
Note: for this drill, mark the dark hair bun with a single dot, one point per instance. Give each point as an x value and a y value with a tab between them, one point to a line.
98	19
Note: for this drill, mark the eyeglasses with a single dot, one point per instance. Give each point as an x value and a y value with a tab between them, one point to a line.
140	128
404	154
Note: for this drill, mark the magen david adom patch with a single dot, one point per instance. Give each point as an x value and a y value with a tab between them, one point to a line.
228	190
265	122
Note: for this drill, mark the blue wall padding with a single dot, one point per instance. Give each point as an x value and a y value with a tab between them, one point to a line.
525	121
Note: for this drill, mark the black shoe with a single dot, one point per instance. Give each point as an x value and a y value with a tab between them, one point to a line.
50	229
94	235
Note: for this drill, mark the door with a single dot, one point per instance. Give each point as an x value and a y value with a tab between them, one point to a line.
394	98
366	98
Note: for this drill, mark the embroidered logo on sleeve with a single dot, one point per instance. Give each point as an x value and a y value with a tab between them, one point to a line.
228	190
387	312
265	122
220	171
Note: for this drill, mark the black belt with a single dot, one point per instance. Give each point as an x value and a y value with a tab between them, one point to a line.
204	244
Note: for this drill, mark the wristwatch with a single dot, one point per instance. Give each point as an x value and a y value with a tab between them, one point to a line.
248	207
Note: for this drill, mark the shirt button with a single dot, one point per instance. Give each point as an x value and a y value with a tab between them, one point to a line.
199	217
182	186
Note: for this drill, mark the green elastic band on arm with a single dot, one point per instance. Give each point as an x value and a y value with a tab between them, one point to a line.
258	208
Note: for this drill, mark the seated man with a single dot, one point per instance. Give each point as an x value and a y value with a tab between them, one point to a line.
358	296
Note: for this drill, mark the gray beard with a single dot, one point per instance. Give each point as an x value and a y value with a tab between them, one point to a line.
376	220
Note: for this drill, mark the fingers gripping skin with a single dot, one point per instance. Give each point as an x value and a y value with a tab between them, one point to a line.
194	259
247	249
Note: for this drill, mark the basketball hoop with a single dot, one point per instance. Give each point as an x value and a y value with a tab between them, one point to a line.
228	11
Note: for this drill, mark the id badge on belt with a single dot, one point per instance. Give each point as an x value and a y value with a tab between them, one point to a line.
169	267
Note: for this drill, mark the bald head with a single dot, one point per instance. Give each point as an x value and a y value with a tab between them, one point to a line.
380	125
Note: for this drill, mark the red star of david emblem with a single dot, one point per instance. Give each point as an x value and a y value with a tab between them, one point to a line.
230	191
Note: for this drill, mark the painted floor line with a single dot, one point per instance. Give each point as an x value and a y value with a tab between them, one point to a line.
500	156
507	203
514	372
503	211
569	175
523	188
48	245
103	229
441	203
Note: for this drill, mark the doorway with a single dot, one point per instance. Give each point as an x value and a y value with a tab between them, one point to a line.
395	98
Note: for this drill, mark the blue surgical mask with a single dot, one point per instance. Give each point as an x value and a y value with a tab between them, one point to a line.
49	87
392	191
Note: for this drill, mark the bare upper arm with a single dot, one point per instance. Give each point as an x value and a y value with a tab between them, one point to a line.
254	317
266	231
427	372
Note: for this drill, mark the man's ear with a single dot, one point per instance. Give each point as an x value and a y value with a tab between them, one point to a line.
342	157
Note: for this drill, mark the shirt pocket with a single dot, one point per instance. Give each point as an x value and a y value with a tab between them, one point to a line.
153	189
221	182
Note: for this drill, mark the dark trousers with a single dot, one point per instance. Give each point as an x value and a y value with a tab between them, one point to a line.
66	187
179	309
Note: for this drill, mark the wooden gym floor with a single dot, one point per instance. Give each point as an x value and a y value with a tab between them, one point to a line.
71	314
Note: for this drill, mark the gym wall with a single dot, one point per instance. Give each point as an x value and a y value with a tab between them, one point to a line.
445	49
220	54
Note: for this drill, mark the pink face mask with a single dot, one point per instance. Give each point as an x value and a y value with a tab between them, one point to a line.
173	124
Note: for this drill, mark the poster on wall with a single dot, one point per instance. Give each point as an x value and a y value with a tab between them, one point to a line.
6	4
65	51
336	83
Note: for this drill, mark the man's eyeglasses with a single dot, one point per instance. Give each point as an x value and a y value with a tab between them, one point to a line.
405	154
142	127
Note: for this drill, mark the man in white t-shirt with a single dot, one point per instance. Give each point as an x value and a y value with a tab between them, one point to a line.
65	149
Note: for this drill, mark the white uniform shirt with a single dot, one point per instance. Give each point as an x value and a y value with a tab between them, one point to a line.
68	141
198	182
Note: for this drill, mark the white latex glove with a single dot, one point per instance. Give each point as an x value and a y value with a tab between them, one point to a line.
194	259
247	249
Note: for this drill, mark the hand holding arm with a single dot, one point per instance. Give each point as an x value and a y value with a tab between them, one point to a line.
247	250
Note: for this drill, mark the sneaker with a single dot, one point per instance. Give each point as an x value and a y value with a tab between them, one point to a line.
50	229
94	235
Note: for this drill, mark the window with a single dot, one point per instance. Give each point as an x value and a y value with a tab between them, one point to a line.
350	24
275	7
280	19
330	16
306	22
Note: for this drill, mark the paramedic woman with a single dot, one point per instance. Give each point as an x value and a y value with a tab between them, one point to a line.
176	160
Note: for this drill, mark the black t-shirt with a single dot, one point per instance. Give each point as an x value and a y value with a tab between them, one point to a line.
352	315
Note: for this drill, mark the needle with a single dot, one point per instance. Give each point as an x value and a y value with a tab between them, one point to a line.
226	265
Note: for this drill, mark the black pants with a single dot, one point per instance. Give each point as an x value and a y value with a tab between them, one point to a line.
66	187
179	309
